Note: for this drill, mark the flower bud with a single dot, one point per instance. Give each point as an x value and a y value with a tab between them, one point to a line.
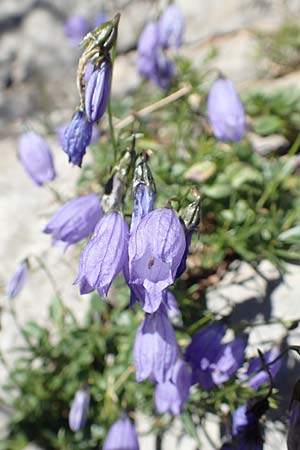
36	158
17	280
77	138
121	436
97	91
225	111
79	410
171	27
74	221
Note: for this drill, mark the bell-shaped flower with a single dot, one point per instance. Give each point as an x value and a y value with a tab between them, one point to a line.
76	27
17	280
36	158
213	362
225	111
105	254
156	247
74	221
152	63
97	91
261	376
171	27
79	410
121	436
77	137
172	395
61	129
155	348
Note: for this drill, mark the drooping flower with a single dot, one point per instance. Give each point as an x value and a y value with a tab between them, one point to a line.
17	280
36	158
61	130
155	348
97	91
74	221
225	111
76	27
156	247
77	137
262	376
171	27
121	436
152	62
213	362
172	395
105	254
79	410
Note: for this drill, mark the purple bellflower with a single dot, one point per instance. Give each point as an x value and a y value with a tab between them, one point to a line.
213	362
171	27
74	221
77	137
262	376
156	247
225	111
246	429
79	410
104	256
36	158
171	306
152	62
121	436
17	280
97	91
76	27
155	348
172	395
61	129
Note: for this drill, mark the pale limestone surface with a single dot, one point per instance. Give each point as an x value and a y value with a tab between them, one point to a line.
37	68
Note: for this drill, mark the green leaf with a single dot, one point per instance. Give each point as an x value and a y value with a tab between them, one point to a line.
268	124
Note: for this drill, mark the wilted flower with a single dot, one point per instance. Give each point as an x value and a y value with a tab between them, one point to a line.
17	280
79	410
74	221
226	112
156	247
172	395
155	348
105	254
97	91
262	376
152	62
61	129
121	436
76	27
213	362
36	158
77	137
171	27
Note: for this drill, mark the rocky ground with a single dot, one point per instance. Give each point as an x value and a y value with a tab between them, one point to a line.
37	70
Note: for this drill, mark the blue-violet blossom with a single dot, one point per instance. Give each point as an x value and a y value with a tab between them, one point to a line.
121	436
17	280
155	249
36	158
155	348
97	91
262	376
225	111
104	256
171	27
77	137
74	221
79	410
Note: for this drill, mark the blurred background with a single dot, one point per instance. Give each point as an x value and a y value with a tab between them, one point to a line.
256	43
